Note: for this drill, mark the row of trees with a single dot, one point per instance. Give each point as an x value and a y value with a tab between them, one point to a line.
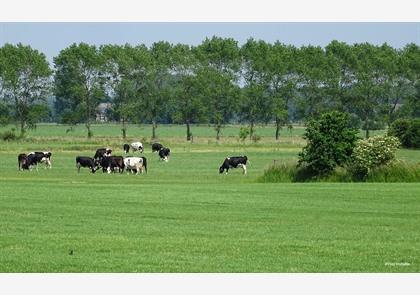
216	82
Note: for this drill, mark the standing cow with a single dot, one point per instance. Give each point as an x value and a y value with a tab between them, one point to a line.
126	148
34	158
112	164
138	164
234	162
21	161
164	154
156	147
137	146
87	162
101	153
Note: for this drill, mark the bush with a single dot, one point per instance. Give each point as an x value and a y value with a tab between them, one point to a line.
396	171
243	133
8	135
407	131
372	153
330	143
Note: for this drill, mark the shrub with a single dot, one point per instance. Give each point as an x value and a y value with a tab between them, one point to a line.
396	171
243	133
372	153
407	131
330	143
8	135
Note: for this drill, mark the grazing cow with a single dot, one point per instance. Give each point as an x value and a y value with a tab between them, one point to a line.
234	162
164	154
112	164
103	152
34	158
126	148
138	164
156	147
87	162
21	161
137	146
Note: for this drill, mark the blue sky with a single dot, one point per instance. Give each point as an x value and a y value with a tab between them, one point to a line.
50	38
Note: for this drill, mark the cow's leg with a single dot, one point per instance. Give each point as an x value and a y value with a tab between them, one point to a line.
244	167
78	167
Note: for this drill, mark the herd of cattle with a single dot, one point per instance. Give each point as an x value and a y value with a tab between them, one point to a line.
104	159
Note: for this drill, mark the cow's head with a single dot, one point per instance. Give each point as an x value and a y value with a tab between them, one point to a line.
221	169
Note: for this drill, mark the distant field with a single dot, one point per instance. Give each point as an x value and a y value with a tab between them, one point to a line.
185	217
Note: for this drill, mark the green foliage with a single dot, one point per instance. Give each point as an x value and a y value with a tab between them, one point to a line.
243	133
396	171
407	131
24	84
5	116
8	135
372	153
330	143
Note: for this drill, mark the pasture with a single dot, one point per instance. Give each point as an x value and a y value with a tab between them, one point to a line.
184	217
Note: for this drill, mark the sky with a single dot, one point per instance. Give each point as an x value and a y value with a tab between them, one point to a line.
50	38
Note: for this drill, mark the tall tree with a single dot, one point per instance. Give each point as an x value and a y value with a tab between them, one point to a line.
255	103
282	82
156	102
188	104
218	76
313	67
25	78
79	83
369	87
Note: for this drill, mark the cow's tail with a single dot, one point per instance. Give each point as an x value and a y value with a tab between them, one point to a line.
145	163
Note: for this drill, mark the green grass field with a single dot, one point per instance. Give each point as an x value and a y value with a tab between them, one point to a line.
185	217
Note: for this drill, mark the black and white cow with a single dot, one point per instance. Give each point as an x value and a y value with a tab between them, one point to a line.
137	164
164	154
101	153
156	147
112	164
21	160
137	146
126	148
34	158
87	162
234	162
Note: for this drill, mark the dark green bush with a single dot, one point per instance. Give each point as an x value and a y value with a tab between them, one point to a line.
330	143
407	131
397	171
8	135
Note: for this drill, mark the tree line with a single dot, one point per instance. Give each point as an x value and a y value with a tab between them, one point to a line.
216	82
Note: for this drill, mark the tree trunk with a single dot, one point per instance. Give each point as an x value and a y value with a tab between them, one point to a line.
154	126
22	128
124	129
218	129
367	126
251	130
188	130
277	129
88	129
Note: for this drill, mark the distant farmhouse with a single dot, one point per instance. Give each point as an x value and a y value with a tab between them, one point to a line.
102	112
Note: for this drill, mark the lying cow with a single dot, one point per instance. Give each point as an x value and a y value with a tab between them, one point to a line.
34	158
137	146
112	164
126	148
164	154
21	160
234	162
87	162
137	164
156	147
101	153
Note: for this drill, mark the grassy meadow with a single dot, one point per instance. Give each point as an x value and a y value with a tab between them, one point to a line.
183	216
